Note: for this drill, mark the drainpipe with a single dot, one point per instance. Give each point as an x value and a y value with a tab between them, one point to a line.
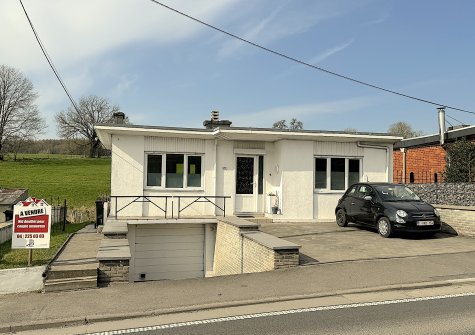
442	130
403	150
369	146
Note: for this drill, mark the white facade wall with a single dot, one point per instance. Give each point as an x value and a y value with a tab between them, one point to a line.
288	171
296	177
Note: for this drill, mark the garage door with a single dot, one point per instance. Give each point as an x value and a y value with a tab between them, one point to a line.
169	252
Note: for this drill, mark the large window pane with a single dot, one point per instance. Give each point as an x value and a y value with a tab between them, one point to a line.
175	171
337	173
154	170
194	171
320	173
353	171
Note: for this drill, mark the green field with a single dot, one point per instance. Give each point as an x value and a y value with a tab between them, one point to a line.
78	180
16	258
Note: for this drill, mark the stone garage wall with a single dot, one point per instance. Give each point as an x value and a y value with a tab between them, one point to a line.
458	194
459	219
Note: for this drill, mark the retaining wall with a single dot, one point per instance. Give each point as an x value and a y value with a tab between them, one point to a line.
457	194
242	248
460	219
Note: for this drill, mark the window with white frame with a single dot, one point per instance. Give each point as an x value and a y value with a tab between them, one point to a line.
336	173
174	170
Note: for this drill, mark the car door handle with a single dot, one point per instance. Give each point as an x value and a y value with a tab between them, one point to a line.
352	203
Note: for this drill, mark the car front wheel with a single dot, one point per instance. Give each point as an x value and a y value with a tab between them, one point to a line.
341	218
384	227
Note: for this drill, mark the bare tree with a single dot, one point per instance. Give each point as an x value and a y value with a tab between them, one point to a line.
73	124
19	116
294	124
403	129
281	124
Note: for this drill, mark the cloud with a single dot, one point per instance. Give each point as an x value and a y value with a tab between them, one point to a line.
330	52
73	31
265	118
286	20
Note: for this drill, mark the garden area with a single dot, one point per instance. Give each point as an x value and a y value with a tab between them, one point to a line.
55	178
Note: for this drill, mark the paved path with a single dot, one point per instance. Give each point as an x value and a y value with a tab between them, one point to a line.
325	242
80	252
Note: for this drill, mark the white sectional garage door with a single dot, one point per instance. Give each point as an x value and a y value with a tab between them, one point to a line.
169	251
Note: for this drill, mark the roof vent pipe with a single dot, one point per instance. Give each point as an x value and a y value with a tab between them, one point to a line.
215	116
442	129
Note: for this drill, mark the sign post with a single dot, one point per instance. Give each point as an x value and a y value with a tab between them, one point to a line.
31	226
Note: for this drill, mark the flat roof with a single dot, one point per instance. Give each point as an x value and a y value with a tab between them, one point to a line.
105	131
426	140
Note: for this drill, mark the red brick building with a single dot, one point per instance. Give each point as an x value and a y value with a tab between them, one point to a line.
422	159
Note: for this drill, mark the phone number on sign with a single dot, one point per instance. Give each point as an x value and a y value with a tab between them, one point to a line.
30	235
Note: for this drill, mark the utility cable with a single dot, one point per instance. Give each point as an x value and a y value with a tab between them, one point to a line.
451	117
277	53
50	62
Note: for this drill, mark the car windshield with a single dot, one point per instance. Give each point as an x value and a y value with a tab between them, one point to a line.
396	193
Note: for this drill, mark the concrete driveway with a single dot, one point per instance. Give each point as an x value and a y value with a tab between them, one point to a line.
326	242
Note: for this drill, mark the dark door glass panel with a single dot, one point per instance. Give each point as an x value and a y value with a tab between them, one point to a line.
244	175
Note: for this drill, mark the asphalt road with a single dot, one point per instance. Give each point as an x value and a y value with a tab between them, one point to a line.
454	315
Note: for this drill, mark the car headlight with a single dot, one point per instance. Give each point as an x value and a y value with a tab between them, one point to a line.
436	212
401	213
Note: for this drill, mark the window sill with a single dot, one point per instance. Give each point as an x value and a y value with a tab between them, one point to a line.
164	190
328	191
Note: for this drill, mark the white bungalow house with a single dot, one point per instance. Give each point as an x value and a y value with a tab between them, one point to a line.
166	178
307	170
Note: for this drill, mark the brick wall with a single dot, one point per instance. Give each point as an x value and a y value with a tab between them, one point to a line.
242	248
113	271
227	254
460	219
423	162
256	257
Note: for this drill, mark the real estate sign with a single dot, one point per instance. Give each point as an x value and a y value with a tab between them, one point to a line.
31	224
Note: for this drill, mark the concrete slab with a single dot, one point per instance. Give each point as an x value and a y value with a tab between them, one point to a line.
114	249
270	241
326	242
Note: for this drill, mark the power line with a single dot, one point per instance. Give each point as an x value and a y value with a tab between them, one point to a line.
50	62
307	64
454	118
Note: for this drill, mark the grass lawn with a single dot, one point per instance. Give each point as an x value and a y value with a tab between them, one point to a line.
16	258
78	180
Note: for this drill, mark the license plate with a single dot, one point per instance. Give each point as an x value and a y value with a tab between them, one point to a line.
425	223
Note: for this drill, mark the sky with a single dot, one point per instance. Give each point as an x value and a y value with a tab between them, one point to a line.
163	69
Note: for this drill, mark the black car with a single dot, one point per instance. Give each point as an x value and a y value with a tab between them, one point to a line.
387	207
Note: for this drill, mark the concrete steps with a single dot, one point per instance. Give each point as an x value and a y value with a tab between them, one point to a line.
70	284
70	277
76	267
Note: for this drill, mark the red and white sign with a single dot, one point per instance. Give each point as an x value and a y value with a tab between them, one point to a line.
31	224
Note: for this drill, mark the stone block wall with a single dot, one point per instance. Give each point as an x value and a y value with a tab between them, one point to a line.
460	219
286	259
457	194
113	271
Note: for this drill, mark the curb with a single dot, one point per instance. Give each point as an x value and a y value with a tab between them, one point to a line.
68	322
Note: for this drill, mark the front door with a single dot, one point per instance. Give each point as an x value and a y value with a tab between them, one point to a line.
246	184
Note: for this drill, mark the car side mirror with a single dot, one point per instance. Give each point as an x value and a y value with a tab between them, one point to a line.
368	198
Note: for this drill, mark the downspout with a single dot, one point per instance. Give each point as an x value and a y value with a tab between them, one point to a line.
403	150
369	146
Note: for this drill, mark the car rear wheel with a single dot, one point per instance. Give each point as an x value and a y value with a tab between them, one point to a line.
341	218
384	227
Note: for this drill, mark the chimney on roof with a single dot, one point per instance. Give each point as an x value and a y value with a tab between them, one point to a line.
118	118
442	129
216	122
